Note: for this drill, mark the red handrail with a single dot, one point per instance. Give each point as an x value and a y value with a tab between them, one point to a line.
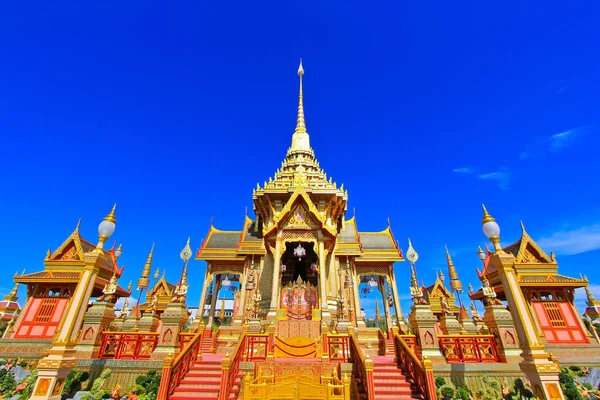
469	348
128	345
421	373
174	370
364	367
230	368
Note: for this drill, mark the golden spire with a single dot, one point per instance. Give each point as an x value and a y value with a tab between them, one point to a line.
300	139
479	253
377	314
111	216
590	297
145	277
300	123
455	283
12	296
486	215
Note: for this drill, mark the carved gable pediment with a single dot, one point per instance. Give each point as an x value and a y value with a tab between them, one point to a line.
530	254
70	250
161	289
300	218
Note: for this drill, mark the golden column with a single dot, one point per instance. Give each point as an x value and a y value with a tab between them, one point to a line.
53	369
325	314
540	367
275	282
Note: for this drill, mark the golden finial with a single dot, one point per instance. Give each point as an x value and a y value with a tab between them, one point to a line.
48	254
480	252
111	216
300	123
106	228
144	280
442	277
522	226
486	215
12	296
78	225
455	283
591	300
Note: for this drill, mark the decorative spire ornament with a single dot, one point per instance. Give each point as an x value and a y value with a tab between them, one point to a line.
106	228
144	280
12	296
455	283
491	229
300	139
415	291
182	287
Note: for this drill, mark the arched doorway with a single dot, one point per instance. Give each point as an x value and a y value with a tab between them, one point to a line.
299	294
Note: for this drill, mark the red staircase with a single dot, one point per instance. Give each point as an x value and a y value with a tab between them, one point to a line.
203	380
390	347
207	345
390	382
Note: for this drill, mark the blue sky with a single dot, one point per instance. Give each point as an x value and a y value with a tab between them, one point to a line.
423	110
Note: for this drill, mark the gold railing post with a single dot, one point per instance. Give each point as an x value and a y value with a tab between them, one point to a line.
346	383
369	369
165	380
225	365
430	382
247	381
271	344
324	331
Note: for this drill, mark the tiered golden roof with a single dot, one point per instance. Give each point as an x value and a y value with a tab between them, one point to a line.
65	265
302	197
534	268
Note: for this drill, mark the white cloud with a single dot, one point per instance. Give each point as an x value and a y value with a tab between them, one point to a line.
500	177
563	139
463	170
553	143
581	240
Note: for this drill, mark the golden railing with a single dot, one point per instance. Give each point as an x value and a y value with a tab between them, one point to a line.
174	370
364	367
326	387
230	367
128	345
469	348
421	373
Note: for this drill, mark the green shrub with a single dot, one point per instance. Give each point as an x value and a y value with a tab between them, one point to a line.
462	393
96	392
7	383
73	382
447	392
439	382
149	383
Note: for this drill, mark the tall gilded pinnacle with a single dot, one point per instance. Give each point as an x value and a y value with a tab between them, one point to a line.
590	297
12	296
144	280
455	283
300	138
300	122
